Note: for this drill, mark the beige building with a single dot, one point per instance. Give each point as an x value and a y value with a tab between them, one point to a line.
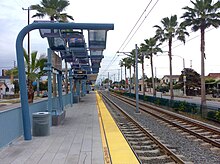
166	79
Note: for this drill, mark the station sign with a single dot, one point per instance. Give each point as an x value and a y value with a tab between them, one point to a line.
79	72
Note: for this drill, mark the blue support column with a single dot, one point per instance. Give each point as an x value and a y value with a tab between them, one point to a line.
84	87
23	86
77	88
87	88
71	87
49	52
59	80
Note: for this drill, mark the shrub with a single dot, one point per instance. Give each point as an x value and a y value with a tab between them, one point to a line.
211	115
217	116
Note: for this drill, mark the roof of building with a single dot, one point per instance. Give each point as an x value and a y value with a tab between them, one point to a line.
214	75
173	76
2	83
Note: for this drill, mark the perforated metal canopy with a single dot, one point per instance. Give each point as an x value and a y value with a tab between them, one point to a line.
73	48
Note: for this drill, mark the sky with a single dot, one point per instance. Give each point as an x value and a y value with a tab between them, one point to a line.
123	14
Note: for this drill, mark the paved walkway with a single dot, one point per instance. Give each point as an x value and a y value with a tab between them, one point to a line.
76	141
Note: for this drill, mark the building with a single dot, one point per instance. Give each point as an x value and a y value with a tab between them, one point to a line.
3	89
213	82
140	85
8	82
166	79
215	76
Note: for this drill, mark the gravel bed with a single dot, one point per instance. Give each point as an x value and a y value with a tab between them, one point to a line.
193	151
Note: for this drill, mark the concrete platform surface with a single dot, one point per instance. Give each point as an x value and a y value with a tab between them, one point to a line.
76	141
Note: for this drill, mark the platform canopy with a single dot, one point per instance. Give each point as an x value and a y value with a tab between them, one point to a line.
72	46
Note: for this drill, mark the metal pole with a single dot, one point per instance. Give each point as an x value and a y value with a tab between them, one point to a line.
183	63
184	78
155	81
121	75
118	77
108	83
59	81
49	52
136	81
28	36
28	57
71	86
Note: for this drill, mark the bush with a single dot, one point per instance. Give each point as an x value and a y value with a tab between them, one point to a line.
217	116
211	115
163	89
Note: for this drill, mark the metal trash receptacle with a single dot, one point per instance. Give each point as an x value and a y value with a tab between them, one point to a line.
40	124
75	99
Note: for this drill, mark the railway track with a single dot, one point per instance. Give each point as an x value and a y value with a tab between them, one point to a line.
147	147
207	133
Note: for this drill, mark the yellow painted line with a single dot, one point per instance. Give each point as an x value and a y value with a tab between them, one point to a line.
120	151
107	158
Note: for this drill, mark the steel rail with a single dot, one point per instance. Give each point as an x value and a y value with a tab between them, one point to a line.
167	151
212	142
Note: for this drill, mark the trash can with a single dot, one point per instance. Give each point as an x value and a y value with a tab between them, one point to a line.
40	124
75	99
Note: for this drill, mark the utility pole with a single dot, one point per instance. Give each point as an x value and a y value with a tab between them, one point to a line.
14	63
155	78
118	77
28	9
108	83
121	75
28	65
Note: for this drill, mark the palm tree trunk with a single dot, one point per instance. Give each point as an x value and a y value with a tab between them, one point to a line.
38	87
30	92
203	92
170	59
143	76
152	74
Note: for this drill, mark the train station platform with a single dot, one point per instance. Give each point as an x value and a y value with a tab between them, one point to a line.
87	135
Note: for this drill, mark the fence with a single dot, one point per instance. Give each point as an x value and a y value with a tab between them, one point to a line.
11	126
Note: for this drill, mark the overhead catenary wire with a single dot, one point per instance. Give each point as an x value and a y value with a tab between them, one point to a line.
140	24
115	56
135	25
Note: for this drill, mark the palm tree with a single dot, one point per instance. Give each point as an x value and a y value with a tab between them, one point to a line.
170	30
122	63
129	65
150	47
203	15
35	71
125	61
141	58
132	58
53	9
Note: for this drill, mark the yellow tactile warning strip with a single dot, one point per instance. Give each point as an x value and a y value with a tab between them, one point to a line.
118	148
